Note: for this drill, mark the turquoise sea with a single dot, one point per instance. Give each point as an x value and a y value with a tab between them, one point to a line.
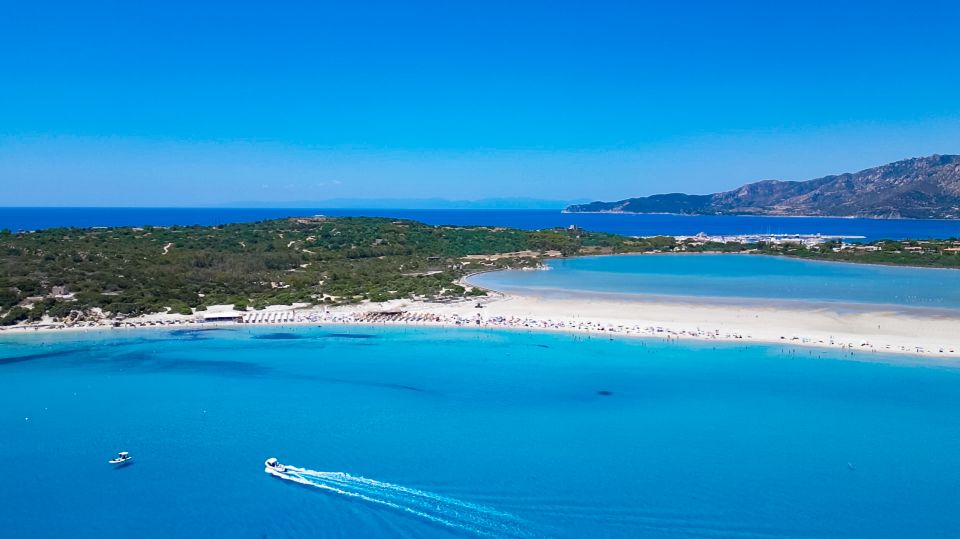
739	278
460	432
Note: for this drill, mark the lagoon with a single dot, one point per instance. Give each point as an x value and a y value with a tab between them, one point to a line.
737	278
510	433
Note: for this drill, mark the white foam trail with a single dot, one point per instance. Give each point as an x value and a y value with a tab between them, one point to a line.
443	510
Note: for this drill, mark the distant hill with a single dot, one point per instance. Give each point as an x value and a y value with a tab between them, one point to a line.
919	188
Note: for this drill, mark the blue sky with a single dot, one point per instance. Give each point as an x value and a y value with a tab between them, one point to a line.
183	104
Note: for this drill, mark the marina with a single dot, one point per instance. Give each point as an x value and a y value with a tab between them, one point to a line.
808	240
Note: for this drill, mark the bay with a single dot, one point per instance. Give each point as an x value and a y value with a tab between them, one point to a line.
509	433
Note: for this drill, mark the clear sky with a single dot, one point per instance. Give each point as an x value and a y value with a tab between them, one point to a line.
194	103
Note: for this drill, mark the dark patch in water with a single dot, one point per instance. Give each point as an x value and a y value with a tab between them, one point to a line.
385	385
146	362
542	345
278	336
196	330
604	393
410	388
350	336
195	333
31	357
219	368
361	383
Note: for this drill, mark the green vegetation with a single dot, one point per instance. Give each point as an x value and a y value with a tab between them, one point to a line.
919	253
923	253
69	272
72	274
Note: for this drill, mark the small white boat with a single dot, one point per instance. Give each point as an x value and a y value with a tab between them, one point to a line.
122	458
272	466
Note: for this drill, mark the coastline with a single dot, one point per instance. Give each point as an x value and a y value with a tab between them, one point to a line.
879	331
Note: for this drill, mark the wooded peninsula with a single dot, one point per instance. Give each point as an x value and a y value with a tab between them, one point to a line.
128	271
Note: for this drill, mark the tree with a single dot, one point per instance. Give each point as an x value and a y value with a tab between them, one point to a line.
8	298
16	314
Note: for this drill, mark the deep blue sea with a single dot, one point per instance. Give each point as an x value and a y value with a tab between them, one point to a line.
637	225
461	433
739	276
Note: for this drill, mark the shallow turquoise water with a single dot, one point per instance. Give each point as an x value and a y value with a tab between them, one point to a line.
764	278
477	431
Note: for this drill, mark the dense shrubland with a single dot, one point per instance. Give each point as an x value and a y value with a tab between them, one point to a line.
131	271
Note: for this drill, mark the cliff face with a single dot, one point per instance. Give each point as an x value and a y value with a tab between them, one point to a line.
920	188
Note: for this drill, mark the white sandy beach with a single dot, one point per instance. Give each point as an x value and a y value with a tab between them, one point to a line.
871	331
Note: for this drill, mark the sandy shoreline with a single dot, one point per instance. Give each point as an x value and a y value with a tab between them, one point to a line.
874	331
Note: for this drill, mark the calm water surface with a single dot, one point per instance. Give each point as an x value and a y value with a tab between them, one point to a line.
634	225
466	432
753	277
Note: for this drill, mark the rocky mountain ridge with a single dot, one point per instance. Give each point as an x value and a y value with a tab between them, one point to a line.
917	188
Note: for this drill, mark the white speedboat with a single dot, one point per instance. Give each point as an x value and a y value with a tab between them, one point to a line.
272	466
122	458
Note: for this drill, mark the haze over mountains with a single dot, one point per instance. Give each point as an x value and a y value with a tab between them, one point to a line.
918	188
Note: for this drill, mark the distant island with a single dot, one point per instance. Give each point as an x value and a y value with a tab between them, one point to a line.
919	188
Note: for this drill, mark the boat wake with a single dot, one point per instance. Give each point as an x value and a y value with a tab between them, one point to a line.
435	508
